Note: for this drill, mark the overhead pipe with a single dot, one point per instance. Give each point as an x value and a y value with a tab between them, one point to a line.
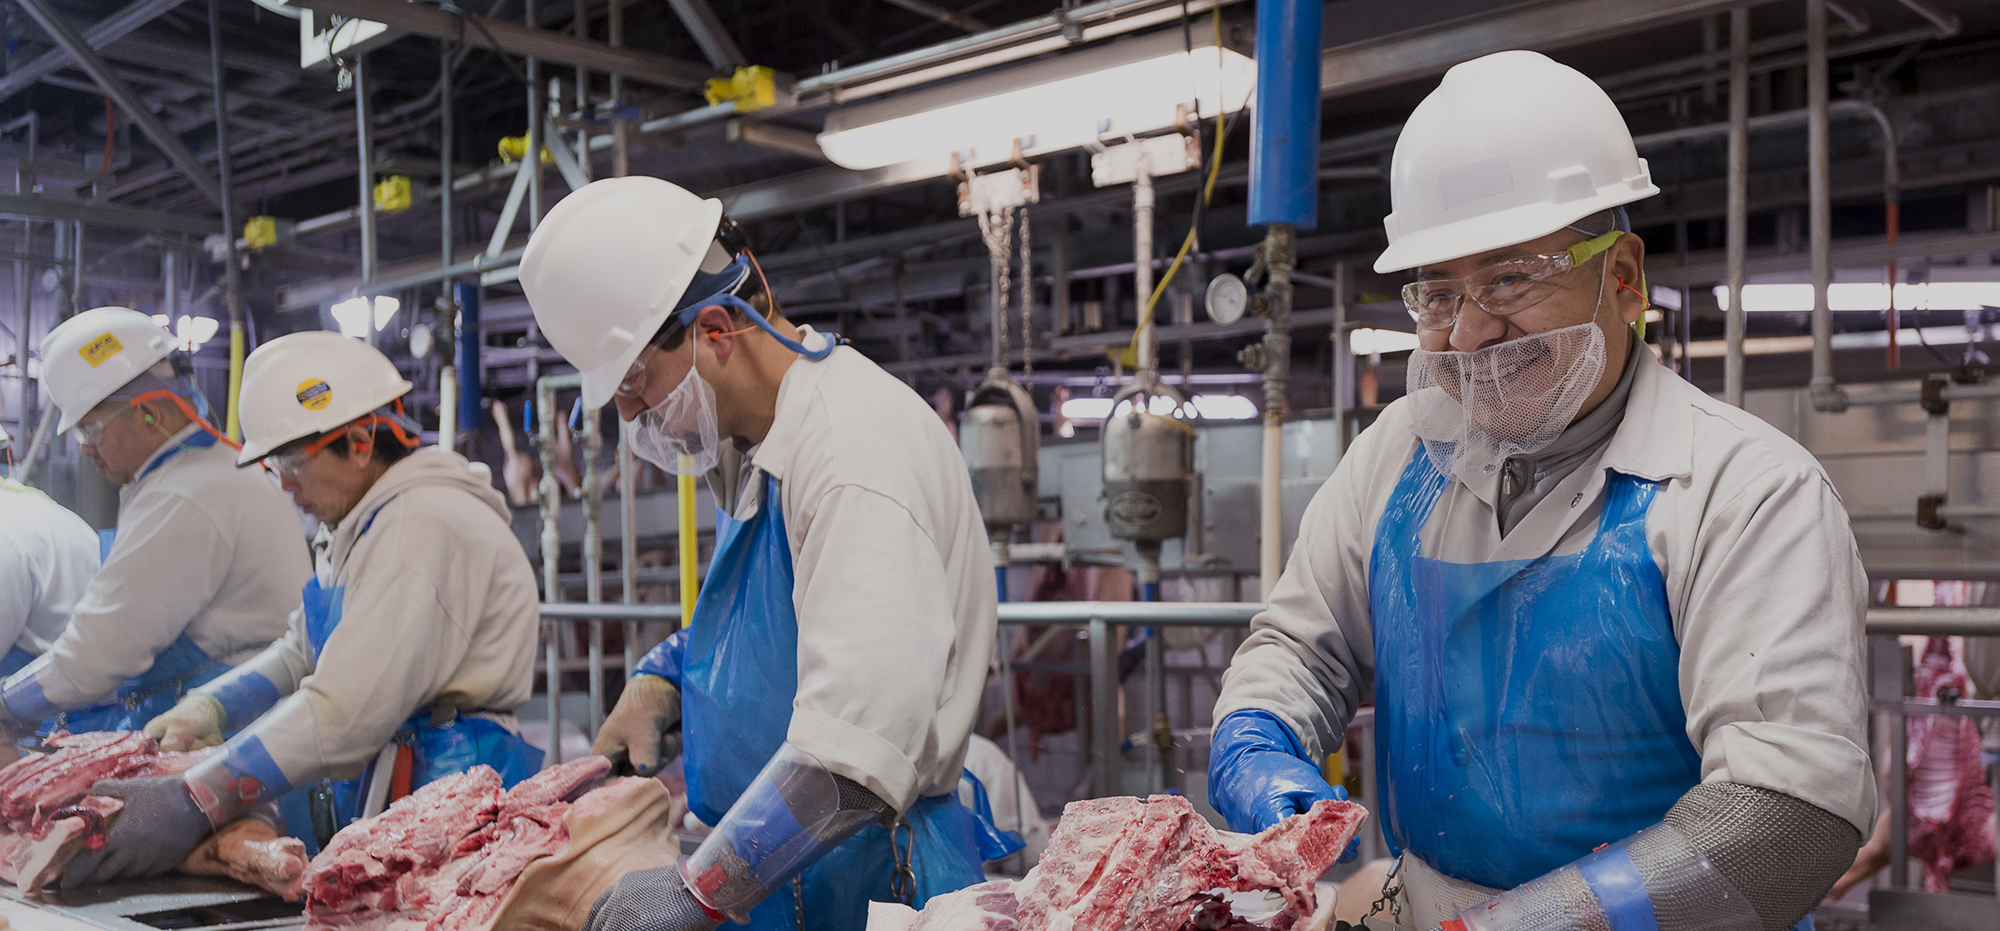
1738	224
447	149
232	281
1284	198
1826	395
364	146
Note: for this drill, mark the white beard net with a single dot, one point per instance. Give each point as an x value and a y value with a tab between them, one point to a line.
680	434
1475	410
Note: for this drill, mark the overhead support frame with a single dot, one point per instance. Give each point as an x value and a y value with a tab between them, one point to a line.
135	108
518	39
706	28
100	34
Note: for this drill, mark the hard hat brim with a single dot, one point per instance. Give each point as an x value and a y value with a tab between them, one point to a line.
1487	232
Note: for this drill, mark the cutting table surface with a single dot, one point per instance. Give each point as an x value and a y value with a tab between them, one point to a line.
168	904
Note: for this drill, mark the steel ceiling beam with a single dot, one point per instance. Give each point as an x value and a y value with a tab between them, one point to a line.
514	38
110	215
706	28
135	108
1420	53
102	33
951	18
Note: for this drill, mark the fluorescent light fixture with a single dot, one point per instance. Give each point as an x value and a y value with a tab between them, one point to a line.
1368	342
1225	407
1210	406
189	332
1866	295
357	314
1670	298
1127	87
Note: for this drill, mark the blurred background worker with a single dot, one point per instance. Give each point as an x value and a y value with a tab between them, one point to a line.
47	556
207	558
1592	605
838	650
418	627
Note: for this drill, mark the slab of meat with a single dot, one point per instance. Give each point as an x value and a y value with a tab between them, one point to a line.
989	906
1120	864
47	815
44	782
252	851
447	857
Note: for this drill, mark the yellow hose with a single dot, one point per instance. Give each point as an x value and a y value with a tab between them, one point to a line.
235	376
690	541
1207	191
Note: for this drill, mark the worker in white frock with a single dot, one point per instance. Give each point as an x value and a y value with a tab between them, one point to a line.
1611	627
47	557
416	632
834	665
207	558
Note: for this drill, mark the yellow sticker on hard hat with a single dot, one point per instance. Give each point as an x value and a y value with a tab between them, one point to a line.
100	349
314	394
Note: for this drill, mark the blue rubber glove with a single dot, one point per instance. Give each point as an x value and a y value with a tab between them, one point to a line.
1258	775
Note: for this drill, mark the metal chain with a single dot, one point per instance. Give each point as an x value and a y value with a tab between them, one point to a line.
1027	297
1392	894
903	884
997	228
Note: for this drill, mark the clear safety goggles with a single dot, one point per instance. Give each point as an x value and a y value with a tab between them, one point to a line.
88	432
1500	289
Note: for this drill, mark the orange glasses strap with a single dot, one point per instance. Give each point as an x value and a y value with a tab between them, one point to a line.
187	409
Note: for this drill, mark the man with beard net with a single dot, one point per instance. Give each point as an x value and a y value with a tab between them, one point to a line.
1612	627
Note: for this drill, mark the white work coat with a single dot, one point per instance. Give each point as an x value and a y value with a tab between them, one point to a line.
892	575
438	604
1764	584
203	548
47	557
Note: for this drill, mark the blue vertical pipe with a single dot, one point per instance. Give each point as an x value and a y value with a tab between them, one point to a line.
1000	581
469	374
1284	128
1149	591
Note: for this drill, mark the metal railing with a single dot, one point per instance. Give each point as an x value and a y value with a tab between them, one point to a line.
1890	674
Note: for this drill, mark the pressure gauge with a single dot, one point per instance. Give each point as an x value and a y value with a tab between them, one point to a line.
1228	298
420	340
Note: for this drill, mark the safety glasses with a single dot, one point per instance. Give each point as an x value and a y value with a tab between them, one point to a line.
88	432
634	383
1501	289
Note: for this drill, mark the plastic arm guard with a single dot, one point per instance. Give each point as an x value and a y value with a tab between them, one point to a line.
1727	857
794	813
1259	774
234	779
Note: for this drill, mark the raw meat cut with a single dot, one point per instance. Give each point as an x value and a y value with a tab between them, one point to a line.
989	906
252	851
1120	864
447	857
47	815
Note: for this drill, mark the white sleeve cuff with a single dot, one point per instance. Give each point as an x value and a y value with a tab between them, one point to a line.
1810	765
858	754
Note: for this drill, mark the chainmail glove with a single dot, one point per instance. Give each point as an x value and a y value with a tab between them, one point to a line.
649	900
194	723
159	826
643	729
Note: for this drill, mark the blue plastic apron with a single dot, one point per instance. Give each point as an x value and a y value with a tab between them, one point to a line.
1528	711
175	670
437	750
14	660
738	679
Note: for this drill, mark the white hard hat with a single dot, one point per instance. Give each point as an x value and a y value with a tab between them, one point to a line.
306	384
605	268
1510	147
93	354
